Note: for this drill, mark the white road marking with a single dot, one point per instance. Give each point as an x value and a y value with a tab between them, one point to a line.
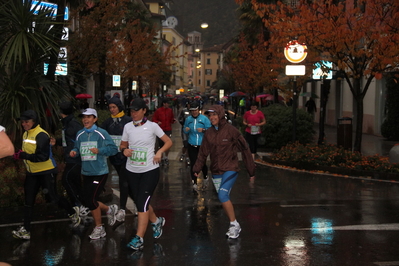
387	263
359	227
309	205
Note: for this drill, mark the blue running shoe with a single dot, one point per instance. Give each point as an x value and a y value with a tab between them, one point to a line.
157	228
136	243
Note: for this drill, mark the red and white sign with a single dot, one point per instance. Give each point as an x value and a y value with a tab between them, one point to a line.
295	52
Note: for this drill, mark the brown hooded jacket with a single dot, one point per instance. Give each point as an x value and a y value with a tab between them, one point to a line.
222	144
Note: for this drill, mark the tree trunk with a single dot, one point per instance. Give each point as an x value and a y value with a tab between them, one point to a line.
324	92
359	115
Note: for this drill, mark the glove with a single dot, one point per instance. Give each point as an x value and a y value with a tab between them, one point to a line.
17	154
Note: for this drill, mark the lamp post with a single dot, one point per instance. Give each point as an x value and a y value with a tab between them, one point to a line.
295	52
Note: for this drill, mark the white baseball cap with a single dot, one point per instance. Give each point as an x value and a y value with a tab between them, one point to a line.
89	111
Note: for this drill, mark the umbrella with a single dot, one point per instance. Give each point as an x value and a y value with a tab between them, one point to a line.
271	98
83	96
262	95
309	94
237	94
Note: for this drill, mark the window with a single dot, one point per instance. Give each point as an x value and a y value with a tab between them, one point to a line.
208	83
208	61
208	71
199	82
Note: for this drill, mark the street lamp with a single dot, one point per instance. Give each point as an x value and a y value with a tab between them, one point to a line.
204	25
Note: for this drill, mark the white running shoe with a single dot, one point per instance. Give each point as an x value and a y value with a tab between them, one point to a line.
98	232
112	214
234	231
83	211
195	187
21	233
75	217
120	216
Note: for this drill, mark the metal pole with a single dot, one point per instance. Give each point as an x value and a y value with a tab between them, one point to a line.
294	106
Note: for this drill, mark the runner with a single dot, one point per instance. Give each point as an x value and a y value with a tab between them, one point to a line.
221	142
41	172
94	145
114	126
71	177
143	168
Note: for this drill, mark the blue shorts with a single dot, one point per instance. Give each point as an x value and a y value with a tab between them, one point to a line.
228	180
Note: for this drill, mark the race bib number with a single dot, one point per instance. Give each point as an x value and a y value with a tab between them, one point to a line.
85	152
117	140
139	156
255	130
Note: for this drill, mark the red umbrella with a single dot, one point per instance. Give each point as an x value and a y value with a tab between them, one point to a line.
271	98
83	96
262	96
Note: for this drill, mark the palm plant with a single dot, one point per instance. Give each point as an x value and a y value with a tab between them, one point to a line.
25	45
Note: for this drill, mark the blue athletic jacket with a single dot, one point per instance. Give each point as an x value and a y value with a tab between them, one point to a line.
104	143
195	137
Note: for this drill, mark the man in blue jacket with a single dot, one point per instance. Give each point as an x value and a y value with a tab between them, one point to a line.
195	126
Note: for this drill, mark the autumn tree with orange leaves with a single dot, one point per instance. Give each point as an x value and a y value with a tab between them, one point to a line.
249	66
116	37
359	39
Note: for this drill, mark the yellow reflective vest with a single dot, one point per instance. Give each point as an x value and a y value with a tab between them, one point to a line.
29	146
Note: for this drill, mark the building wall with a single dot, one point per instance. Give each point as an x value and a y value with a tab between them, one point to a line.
177	60
341	104
210	66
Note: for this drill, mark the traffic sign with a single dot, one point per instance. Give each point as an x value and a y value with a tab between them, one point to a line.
295	70
295	52
116	80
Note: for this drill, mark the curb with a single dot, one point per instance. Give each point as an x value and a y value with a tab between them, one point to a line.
323	173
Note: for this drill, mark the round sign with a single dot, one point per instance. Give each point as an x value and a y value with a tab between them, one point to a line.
295	52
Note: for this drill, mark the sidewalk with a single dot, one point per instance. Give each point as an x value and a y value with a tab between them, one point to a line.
371	144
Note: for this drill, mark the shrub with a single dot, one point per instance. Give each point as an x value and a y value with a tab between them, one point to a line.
12	174
331	155
279	126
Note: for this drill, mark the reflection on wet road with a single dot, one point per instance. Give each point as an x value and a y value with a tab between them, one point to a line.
287	218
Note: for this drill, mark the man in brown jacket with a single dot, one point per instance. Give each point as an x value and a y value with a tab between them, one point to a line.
221	142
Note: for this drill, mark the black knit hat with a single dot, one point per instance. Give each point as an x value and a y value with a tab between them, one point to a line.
66	108
115	100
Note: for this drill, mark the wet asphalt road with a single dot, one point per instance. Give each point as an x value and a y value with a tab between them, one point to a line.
287	218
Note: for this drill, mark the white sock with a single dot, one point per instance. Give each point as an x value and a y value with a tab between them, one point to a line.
235	223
